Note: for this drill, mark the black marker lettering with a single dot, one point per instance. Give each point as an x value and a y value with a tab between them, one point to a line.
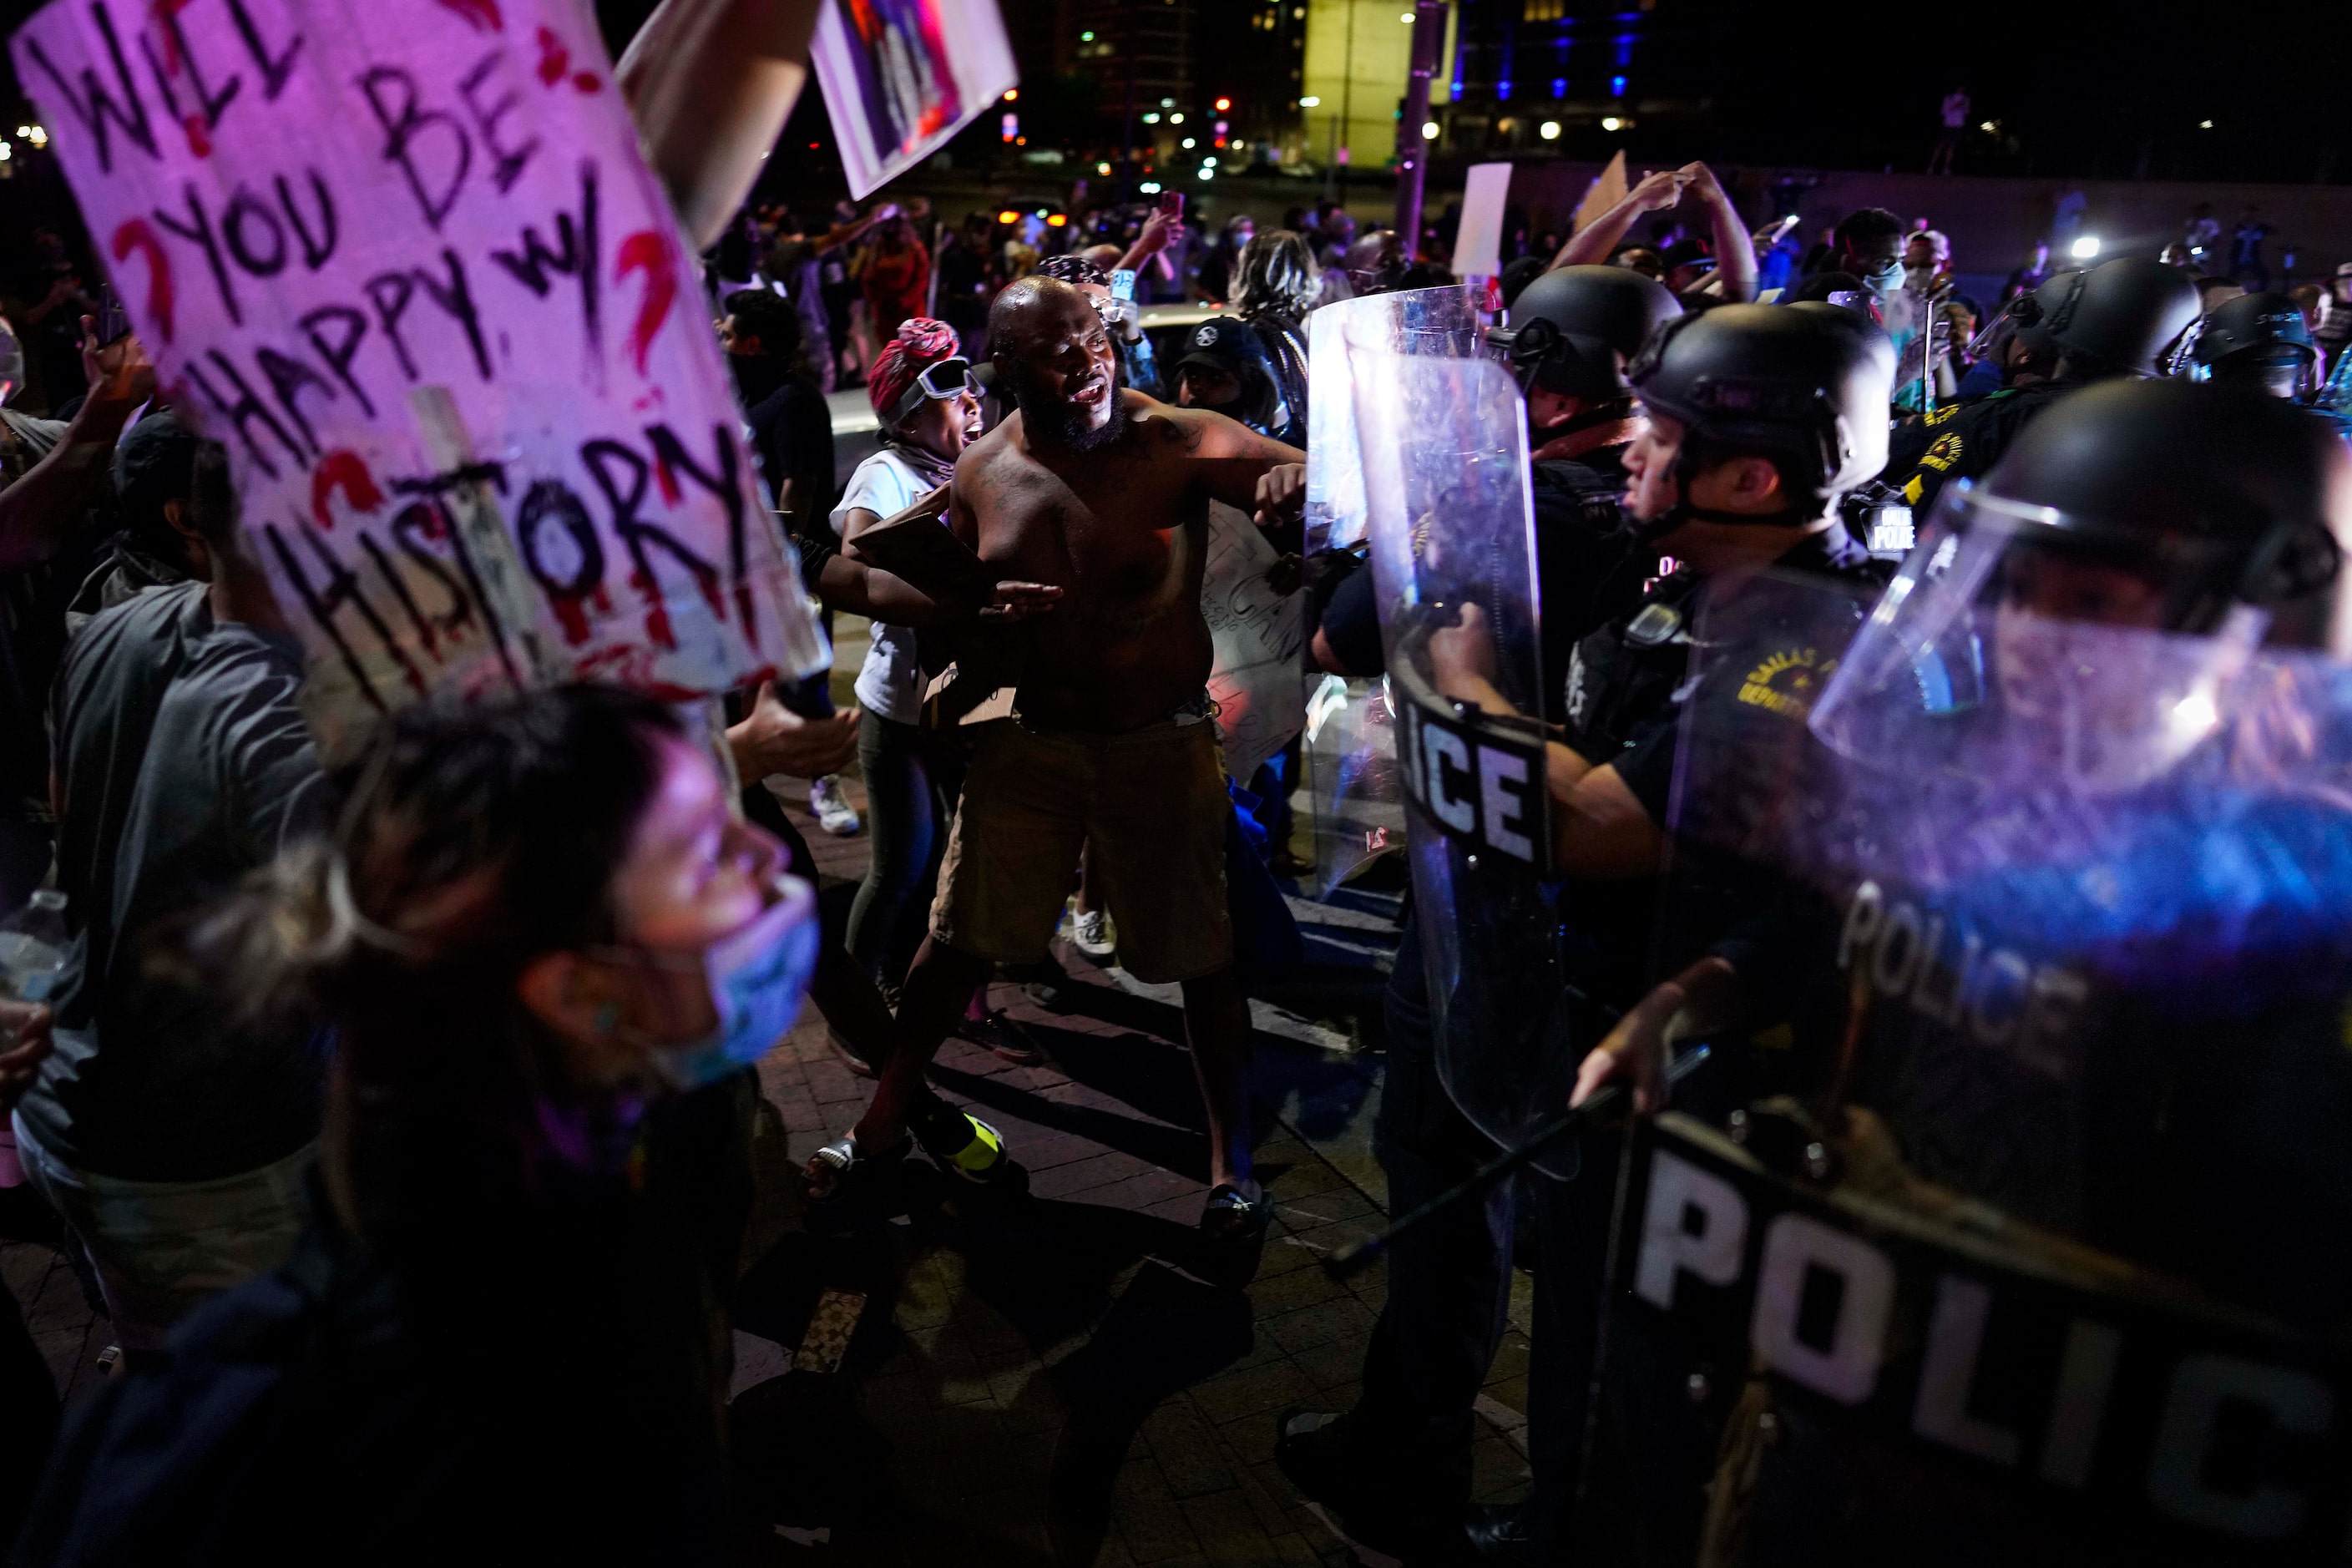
210	103
94	106
344	588
288	377
418	521
244	211
576	259
316	248
198	231
340	354
400	592
321	612
390	293
724	483
551	500
635	533
274	69
506	163
402	123
457	298
245	412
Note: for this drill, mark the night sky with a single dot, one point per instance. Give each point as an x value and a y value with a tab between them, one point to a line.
2102	88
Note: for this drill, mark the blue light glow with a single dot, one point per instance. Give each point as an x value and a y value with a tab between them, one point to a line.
1617	86
1559	87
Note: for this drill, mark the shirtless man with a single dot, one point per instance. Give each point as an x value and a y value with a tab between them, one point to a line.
1105	494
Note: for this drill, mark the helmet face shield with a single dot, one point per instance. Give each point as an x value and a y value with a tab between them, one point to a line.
2015	641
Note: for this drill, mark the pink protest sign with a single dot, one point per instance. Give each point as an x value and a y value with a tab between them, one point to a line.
404	258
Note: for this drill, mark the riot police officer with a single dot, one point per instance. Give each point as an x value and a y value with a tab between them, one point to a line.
1757	418
2259	340
2118	319
1396	1470
2094	1081
1567	339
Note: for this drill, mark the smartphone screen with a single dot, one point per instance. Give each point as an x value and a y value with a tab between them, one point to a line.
1172	205
1122	283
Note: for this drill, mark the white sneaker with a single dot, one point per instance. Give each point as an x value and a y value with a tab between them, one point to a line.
834	813
1091	930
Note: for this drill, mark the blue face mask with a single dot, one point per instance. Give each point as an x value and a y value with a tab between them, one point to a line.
1887	280
757	976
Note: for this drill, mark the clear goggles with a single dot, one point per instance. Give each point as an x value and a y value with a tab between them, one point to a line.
940	380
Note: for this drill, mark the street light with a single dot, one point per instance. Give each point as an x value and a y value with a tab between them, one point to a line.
2085	247
1310	102
1610	124
1549	131
1429	130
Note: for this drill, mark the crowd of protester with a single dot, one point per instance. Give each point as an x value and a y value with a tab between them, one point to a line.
338	1066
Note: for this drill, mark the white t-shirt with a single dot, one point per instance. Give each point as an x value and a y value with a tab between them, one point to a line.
890	682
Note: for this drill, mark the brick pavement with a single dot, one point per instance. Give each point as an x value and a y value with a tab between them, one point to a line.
1068	1384
1063	1381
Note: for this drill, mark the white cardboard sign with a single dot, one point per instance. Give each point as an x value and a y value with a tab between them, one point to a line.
405	261
1478	243
1256	636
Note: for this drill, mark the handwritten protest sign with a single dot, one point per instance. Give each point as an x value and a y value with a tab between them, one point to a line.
1256	637
901	77
404	260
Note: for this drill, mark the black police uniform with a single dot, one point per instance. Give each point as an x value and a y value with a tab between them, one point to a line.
1961	440
1449	1281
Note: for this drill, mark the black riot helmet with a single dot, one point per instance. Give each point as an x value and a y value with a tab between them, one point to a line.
2218	496
1807	385
1568	330
2261	339
2135	547
2117	318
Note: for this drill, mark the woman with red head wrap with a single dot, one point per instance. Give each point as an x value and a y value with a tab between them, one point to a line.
930	410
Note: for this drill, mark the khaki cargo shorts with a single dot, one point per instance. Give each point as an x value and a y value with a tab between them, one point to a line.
1149	807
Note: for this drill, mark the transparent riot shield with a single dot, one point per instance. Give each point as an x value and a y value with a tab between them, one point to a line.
1451	534
1349	747
2031	1240
1440	322
1348	743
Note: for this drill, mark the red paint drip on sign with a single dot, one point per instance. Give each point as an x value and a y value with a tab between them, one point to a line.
554	59
346	472
200	141
574	619
134	235
743	608
657	627
163	11
646	251
482	15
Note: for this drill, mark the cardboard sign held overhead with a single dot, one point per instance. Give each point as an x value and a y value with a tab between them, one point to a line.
1607	190
1478	244
901	77
406	262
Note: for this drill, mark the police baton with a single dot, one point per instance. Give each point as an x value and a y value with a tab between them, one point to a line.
1357	1257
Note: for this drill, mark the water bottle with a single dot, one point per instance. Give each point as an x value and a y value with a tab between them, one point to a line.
31	958
32	947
